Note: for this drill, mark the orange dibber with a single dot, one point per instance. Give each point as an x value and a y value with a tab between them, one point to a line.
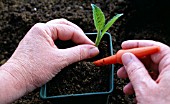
138	52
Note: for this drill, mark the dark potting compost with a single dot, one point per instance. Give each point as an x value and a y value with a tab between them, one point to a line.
81	77
142	19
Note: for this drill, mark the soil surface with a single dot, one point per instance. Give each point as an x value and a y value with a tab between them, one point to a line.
82	76
143	19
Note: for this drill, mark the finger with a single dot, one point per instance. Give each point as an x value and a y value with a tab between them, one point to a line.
137	73
161	58
121	73
140	43
62	32
128	89
64	21
79	52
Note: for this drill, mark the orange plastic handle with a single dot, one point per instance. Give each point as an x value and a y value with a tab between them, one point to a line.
138	52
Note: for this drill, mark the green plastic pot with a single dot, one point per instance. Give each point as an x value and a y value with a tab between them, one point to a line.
85	98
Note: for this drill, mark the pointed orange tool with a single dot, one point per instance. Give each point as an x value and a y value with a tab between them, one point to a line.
138	52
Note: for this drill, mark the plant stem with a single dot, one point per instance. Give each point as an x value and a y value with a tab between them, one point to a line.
98	39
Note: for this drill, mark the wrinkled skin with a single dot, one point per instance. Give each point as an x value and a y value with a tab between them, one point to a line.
149	88
37	59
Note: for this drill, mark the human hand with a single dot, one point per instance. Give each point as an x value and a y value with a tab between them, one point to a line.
37	59
148	89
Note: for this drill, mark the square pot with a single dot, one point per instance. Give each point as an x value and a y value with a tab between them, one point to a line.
99	97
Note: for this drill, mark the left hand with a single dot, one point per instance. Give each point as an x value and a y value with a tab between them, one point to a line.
37	59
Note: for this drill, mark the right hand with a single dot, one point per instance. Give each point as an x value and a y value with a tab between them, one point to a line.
148	90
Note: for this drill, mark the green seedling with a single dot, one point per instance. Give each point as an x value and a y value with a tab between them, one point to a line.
99	22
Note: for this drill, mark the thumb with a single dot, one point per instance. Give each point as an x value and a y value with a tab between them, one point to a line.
137	73
80	52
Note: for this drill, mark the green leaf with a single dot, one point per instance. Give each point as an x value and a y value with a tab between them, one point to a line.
98	17
110	23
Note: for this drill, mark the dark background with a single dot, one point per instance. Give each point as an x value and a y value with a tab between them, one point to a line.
143	19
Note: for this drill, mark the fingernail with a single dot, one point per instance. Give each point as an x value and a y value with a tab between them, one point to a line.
126	58
93	51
